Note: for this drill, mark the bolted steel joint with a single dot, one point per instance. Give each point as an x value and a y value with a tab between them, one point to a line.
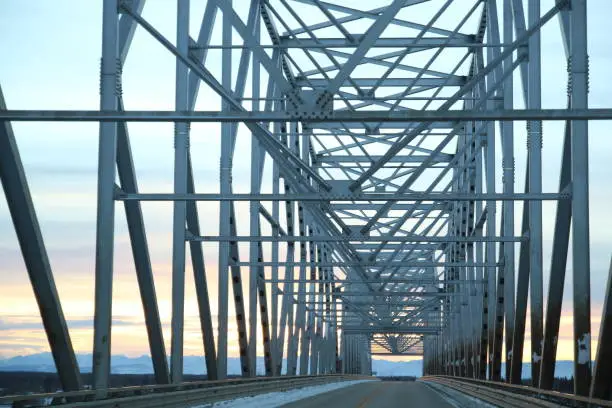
508	167
118	78
114	77
123	5
181	134
534	135
569	76
588	76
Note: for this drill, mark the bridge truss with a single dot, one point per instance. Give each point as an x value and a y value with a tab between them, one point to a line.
375	225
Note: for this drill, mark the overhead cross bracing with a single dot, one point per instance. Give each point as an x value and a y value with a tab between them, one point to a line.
358	209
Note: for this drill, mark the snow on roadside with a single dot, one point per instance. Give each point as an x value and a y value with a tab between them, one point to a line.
276	399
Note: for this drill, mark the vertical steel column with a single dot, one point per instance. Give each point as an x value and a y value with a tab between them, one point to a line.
343	350
439	355
346	347
263	312
426	357
365	364
256	161
274	258
23	214
493	81
199	277
225	188
354	341
181	148
508	188
499	311
475	289
110	88
291	360
324	367
434	354
449	330
275	245
254	254
234	255
522	293
453	256
286	315
458	256
316	363
256	166
522	284
466	220
308	323
334	316
490	246
238	296
579	66
473	292
429	351
481	273
534	146
297	332
330	313
308	347
286	305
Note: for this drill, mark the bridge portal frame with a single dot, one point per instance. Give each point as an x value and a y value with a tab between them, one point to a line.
461	332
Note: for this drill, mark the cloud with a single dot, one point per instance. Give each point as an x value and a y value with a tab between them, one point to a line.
4	325
34	323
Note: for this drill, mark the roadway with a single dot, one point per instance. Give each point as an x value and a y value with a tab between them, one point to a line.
376	394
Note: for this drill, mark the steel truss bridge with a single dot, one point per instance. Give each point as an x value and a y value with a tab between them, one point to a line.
378	132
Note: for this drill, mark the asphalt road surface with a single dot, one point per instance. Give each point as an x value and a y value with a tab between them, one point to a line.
376	394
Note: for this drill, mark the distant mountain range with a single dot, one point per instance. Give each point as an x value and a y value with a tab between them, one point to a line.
384	368
120	364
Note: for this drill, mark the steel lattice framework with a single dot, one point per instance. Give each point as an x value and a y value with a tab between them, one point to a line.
383	232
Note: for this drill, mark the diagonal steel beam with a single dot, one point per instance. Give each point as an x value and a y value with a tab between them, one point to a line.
492	65
371	35
35	257
276	150
355	14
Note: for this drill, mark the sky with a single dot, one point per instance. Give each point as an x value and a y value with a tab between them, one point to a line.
51	58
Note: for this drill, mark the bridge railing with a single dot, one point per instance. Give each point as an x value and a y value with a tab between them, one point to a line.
512	395
183	393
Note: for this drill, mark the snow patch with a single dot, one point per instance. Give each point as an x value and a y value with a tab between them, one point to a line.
455	398
277	399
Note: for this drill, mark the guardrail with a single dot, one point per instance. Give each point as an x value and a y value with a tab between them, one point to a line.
513	396
179	395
